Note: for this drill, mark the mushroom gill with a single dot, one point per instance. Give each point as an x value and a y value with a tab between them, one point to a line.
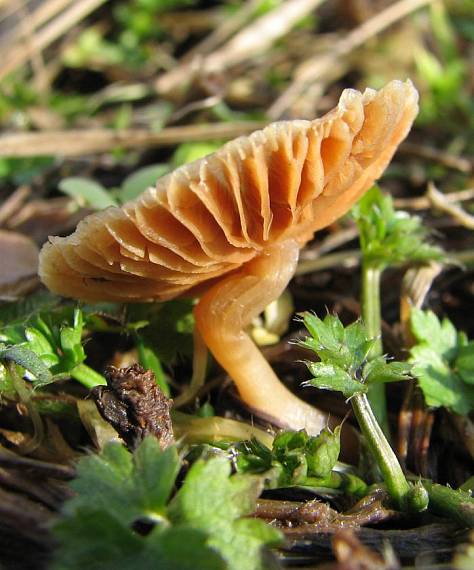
228	228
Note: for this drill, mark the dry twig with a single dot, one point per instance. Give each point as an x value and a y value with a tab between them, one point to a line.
430	153
312	70
251	41
439	201
81	142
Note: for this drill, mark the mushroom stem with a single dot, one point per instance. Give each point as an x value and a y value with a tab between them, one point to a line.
222	315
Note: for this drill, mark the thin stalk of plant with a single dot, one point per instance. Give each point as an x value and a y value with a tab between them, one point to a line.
394	478
455	504
345	366
387	238
372	317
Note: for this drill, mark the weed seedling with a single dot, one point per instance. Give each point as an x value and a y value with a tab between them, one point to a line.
387	238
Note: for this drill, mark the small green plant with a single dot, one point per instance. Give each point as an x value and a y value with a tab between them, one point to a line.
55	341
443	362
388	237
344	366
125	515
297	459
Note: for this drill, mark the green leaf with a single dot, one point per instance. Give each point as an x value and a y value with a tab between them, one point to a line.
330	377
37	342
27	360
214	501
426	327
140	180
440	385
465	363
104	482
154	475
87	192
378	370
182	548
322	452
202	526
442	362
97	540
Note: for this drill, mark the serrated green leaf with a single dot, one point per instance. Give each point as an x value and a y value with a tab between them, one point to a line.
322	452
154	476
330	377
390	237
378	370
104	482
440	385
442	362
202	526
182	548
465	363
96	540
426	327
214	501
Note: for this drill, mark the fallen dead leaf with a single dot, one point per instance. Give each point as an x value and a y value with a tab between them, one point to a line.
19	264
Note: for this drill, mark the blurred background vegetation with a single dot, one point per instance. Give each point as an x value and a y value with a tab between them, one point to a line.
125	73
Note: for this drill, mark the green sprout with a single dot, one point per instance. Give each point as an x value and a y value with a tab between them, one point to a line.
297	459
50	348
345	367
387	238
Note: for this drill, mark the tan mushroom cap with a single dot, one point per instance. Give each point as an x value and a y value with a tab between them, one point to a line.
212	216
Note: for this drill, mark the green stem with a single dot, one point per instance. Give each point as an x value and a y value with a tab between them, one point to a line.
454	504
392	473
372	317
87	376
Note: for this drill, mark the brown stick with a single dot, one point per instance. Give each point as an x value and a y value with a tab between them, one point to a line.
80	142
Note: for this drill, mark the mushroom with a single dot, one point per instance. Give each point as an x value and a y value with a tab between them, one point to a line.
228	229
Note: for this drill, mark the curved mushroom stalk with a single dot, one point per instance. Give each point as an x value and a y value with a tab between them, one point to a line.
227	309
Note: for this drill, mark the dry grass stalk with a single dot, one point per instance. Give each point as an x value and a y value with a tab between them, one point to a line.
446	159
440	202
67	19
254	39
83	142
424	202
312	70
